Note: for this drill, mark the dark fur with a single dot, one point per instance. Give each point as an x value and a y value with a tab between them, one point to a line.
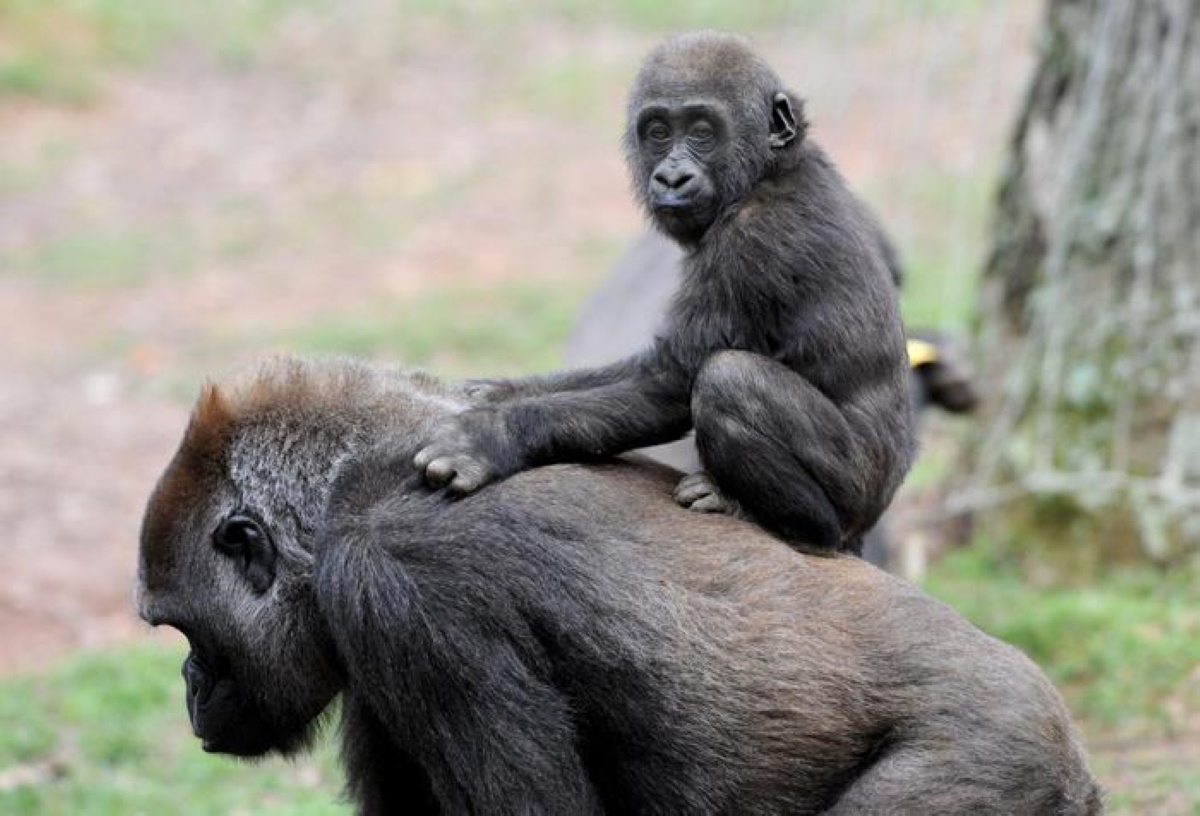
783	348
566	641
631	304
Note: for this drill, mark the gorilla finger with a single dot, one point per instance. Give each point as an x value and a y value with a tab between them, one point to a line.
693	487
471	476
685	495
424	457
711	503
439	472
480	388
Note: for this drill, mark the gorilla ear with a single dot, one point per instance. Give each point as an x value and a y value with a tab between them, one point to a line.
243	539
783	121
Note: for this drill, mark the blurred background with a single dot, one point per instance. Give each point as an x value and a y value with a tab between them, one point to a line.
186	187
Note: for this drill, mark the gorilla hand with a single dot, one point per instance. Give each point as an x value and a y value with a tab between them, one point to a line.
486	392
468	450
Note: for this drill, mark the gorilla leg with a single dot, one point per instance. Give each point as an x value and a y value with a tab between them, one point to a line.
982	779
443	669
780	449
915	781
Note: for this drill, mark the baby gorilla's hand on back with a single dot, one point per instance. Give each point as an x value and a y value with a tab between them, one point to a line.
468	450
486	392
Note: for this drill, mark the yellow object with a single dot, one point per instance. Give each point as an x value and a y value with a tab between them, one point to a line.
920	353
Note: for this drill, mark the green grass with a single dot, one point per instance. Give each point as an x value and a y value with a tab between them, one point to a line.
637	14
104	257
61	49
676	14
32	172
108	734
461	330
572	87
1125	649
946	214
936	463
1159	791
662	16
114	251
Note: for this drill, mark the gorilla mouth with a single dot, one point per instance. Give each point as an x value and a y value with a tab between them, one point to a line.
199	680
684	218
697	202
199	684
675	201
221	717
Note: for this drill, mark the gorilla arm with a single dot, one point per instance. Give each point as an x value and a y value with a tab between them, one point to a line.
494	391
566	417
458	689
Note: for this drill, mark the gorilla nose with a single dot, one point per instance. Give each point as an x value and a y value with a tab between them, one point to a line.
673	179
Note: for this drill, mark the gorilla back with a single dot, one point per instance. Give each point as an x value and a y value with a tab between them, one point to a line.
565	641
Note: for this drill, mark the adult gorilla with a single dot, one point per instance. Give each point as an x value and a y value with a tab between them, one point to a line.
568	640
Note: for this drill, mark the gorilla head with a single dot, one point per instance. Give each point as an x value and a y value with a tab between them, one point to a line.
707	120
227	562
227	550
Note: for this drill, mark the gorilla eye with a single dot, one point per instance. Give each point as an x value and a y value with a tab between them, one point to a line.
657	131
237	535
702	134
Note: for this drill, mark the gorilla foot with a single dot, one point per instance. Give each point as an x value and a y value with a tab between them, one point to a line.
697	491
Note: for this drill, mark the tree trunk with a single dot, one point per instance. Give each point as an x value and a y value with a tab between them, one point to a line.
1090	304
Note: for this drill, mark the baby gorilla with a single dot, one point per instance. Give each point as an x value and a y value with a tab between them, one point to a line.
783	347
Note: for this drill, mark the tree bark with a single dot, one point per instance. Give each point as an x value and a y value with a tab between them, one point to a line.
1090	304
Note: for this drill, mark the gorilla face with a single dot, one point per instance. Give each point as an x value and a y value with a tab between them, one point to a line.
705	120
679	147
260	669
